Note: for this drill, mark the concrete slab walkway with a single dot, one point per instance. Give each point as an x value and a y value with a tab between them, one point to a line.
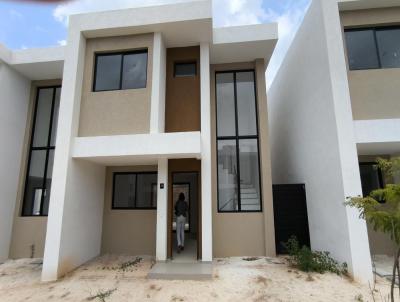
181	271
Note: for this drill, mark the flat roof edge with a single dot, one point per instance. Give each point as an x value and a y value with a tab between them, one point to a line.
345	5
245	33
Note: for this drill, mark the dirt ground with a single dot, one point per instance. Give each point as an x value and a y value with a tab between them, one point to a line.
123	278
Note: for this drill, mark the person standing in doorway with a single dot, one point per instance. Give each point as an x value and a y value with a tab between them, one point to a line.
181	209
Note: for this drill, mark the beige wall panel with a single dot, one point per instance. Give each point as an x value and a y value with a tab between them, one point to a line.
28	231
118	111
182	109
130	232
374	93
239	234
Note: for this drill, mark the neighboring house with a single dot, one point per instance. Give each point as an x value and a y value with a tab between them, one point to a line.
100	136
334	107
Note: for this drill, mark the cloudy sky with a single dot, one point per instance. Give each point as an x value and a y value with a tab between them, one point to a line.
25	25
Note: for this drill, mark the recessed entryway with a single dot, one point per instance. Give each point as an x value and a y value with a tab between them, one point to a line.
185	184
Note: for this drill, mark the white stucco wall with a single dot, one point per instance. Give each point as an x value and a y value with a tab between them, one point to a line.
14	100
76	204
312	137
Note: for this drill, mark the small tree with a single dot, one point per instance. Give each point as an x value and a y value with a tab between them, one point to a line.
381	209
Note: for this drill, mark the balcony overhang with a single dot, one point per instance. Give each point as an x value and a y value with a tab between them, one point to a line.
138	149
377	136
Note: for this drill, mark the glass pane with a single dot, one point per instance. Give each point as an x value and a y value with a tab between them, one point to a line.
124	191
46	200
249	175
145	184
55	117
227	176
225	105
389	47
43	115
134	71
370	180
185	69
361	49
108	72
246	103
34	185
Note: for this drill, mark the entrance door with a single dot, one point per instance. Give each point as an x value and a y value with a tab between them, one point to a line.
290	214
186	183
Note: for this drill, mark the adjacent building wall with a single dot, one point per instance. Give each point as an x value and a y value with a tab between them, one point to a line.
118	111
130	232
238	234
29	233
374	92
14	101
312	138
182	111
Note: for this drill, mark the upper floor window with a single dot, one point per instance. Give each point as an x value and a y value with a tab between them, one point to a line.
185	69
41	152
373	48
237	142
116	71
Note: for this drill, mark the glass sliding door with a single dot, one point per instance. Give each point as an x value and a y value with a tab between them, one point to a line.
237	142
41	152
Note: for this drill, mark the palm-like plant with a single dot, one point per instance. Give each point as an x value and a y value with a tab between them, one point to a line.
384	216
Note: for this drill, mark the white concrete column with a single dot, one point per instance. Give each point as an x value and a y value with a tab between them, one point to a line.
77	195
14	100
157	111
206	196
162	210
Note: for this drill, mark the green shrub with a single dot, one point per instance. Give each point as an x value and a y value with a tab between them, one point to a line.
312	261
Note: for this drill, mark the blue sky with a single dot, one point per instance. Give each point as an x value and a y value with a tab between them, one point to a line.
24	24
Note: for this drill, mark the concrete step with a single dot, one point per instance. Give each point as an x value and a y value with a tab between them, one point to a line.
181	271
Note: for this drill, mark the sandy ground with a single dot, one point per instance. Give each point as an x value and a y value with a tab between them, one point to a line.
265	279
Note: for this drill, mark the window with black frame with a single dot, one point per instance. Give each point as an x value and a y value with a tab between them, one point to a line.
118	71
134	190
371	177
373	48
237	142
41	152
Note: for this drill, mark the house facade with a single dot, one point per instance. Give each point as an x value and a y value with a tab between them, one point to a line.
101	136
334	109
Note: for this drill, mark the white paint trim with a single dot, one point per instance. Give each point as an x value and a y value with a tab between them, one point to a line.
156	145
162	211
376	131
206	195
157	115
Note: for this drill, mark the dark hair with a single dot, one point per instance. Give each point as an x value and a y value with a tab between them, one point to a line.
181	196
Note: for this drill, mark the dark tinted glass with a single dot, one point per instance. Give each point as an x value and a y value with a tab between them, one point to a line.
225	105
34	185
43	115
108	72
134	74
185	69
370	178
389	47
146	183
249	175
361	49
246	103
227	176
124	190
46	197
55	117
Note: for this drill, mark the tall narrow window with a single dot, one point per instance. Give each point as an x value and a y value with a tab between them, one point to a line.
237	142
41	152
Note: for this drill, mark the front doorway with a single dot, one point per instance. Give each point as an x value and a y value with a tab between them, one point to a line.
187	184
